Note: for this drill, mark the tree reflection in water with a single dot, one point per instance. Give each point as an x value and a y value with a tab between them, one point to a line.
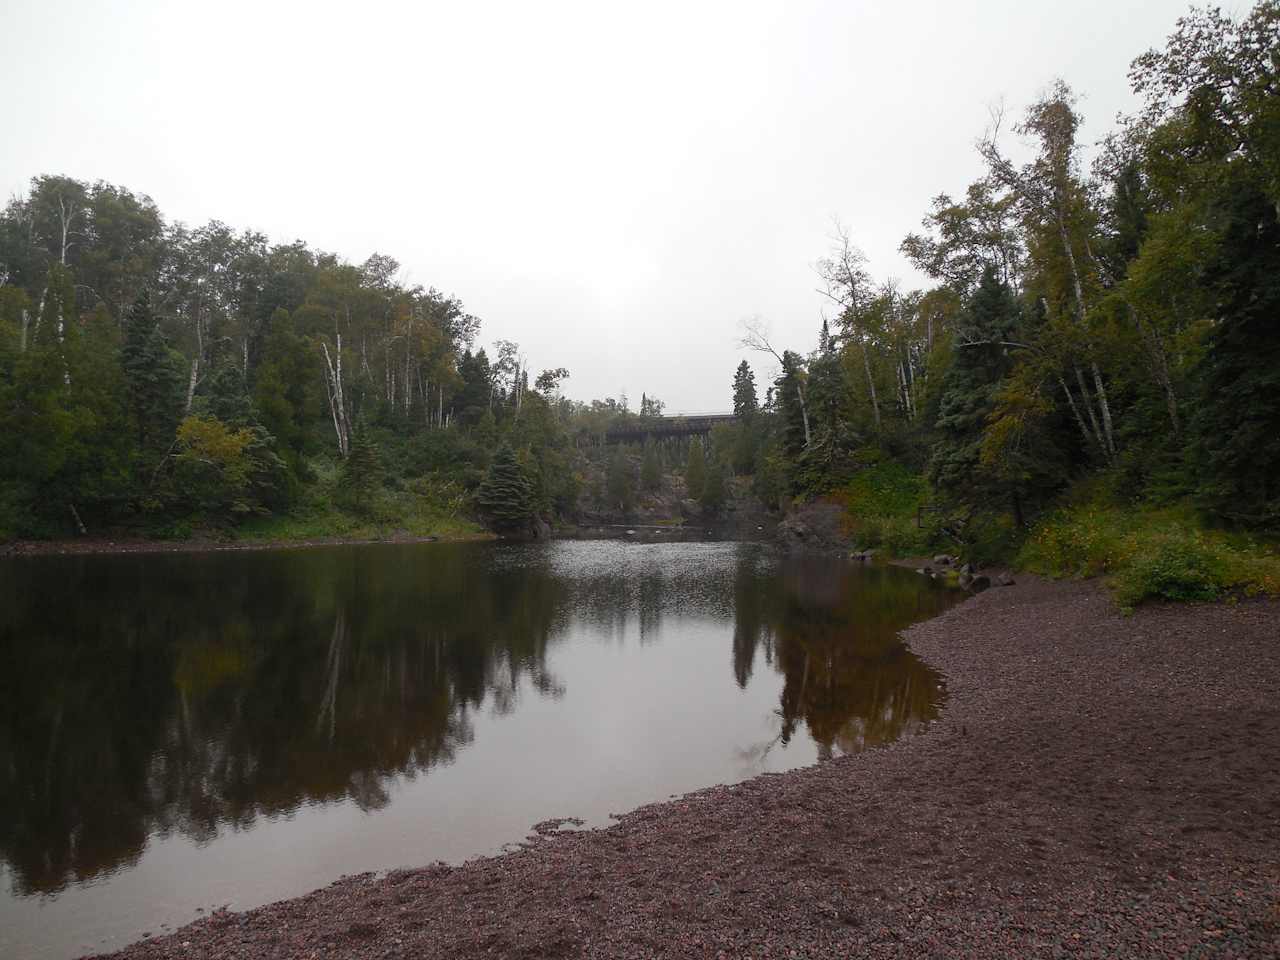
144	696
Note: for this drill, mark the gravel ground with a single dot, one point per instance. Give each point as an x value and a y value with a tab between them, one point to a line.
1098	786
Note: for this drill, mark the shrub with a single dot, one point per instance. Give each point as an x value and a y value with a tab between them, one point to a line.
1173	567
1150	554
881	508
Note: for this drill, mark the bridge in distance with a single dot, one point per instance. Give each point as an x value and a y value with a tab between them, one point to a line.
638	429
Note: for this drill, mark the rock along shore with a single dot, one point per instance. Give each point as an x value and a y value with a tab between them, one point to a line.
1098	786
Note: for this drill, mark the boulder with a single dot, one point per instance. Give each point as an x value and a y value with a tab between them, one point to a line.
942	560
979	583
1005	580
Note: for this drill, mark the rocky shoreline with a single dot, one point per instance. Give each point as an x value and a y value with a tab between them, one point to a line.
1098	786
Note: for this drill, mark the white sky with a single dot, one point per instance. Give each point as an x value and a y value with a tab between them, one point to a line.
614	186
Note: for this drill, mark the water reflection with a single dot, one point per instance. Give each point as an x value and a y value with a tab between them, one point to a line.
148	696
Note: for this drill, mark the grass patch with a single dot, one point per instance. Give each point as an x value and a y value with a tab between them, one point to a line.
1149	554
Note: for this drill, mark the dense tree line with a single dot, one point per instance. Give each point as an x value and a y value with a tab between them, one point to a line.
153	374
1118	320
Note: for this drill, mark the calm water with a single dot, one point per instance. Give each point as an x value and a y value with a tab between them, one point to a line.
187	731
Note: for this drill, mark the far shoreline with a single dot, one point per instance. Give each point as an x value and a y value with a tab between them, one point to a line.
108	546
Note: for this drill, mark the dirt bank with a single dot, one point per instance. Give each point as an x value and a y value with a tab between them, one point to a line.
1099	786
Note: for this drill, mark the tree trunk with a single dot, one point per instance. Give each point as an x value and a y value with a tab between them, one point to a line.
80	528
1104	407
1089	438
191	381
871	385
195	360
337	403
804	410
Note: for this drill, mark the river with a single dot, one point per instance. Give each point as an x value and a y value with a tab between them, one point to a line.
180	732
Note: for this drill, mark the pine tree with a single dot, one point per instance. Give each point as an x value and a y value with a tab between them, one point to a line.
505	498
695	471
745	400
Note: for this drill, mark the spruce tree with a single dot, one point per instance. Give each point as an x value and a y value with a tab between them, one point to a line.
152	380
505	498
969	389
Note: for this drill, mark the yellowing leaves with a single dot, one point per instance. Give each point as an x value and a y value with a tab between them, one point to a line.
209	440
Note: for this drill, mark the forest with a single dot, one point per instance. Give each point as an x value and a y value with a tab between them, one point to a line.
1089	383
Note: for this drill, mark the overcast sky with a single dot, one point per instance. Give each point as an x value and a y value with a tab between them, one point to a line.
614	186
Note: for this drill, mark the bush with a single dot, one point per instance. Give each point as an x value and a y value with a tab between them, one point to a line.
881	508
1150	554
1173	567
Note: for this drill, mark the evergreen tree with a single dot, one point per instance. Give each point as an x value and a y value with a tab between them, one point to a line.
1235	443
153	383
976	385
505	498
790	407
286	390
476	396
695	471
745	401
650	469
712	497
361	477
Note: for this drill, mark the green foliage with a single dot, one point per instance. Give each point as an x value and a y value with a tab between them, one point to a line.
505	498
1150	554
650	469
620	484
882	503
152	377
695	471
745	400
713	495
212	466
1236	429
360	483
287	393
426	506
769	481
